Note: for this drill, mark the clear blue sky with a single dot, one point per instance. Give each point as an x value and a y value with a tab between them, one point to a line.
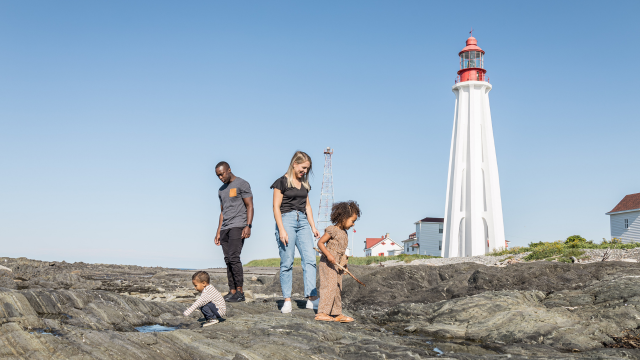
113	115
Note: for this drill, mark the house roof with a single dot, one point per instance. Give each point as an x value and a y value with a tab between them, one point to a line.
371	242
415	245
431	219
629	202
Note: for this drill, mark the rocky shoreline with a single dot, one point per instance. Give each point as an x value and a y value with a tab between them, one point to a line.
464	310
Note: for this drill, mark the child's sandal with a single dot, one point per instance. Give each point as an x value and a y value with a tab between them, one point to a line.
324	317
343	319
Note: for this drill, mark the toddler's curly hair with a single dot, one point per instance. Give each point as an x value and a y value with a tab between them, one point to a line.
343	210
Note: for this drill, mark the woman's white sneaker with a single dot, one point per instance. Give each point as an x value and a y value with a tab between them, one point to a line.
313	304
286	308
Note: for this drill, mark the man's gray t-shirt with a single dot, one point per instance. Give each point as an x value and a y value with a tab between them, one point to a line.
234	211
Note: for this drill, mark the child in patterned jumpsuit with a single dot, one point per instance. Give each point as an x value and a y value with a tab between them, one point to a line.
333	245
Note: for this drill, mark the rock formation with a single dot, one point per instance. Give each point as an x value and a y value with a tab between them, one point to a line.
57	310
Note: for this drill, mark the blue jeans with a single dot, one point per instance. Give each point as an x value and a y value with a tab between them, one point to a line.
299	231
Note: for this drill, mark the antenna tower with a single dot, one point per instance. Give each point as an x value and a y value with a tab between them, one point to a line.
326	195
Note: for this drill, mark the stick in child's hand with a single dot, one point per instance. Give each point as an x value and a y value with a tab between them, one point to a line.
343	269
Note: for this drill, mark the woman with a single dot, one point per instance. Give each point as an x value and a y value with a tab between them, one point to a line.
295	228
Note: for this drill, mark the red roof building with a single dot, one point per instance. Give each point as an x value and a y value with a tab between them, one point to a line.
625	219
382	246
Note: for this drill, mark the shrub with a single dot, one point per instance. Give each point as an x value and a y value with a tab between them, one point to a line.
539	243
544	250
614	241
577	241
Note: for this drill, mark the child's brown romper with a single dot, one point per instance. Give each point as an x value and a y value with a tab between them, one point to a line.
330	277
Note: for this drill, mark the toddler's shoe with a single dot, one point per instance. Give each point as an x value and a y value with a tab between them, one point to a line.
343	318
313	304
286	308
210	322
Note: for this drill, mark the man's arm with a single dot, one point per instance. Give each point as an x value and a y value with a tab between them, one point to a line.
217	239
248	202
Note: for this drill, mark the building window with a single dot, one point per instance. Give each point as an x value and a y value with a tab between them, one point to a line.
626	223
440	229
440	245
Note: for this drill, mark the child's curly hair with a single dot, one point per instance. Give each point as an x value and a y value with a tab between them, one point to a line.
343	210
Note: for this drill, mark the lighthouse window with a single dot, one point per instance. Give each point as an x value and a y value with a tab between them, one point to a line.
464	60
472	59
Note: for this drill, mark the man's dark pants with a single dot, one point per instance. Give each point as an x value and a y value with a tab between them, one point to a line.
232	243
210	311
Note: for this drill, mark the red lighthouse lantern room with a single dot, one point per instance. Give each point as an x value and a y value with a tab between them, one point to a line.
472	62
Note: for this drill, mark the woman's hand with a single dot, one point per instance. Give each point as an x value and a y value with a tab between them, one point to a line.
284	238
316	234
331	259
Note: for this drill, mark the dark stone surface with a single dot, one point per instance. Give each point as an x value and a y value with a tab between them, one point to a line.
57	310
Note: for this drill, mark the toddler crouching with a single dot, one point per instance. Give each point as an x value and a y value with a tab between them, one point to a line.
210	302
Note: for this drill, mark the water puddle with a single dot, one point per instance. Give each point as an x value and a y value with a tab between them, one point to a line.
44	332
155	328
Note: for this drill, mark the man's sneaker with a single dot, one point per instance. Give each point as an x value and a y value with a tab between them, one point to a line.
286	308
237	297
210	322
229	295
313	304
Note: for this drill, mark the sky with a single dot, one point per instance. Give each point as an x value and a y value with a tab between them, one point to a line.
114	114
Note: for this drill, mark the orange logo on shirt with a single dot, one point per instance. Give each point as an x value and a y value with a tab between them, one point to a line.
233	192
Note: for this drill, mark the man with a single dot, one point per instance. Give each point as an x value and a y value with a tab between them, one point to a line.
236	216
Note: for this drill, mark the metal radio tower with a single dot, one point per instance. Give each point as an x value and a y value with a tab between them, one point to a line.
326	195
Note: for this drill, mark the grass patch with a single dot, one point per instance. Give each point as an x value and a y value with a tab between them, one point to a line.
561	250
368	260
512	251
353	260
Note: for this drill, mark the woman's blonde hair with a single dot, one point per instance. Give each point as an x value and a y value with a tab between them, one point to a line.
298	158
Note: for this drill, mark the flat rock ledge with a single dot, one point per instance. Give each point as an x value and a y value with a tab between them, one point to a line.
540	310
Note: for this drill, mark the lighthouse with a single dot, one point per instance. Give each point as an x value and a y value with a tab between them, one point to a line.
473	222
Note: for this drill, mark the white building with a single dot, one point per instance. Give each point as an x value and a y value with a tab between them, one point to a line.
382	246
429	235
411	245
473	222
625	219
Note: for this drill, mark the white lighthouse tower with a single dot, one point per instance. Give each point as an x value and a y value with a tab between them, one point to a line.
473	212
